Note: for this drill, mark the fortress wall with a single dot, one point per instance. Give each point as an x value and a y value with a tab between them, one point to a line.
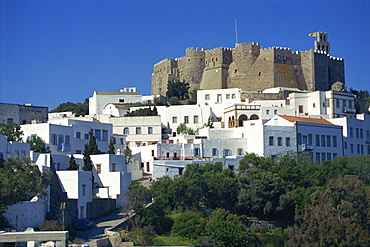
164	71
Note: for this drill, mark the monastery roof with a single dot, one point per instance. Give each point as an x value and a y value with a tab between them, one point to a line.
306	120
116	93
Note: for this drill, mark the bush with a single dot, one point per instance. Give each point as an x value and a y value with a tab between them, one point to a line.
51	225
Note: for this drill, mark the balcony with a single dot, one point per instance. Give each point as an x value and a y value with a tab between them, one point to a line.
305	147
349	110
64	147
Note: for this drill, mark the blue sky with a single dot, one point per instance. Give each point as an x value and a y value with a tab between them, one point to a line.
54	51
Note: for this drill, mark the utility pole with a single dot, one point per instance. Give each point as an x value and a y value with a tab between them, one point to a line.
63	207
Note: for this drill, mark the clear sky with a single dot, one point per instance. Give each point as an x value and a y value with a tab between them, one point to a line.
54	51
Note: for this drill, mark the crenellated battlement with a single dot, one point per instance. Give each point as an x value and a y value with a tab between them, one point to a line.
251	67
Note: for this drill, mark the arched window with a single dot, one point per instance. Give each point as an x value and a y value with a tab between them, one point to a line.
254	117
241	119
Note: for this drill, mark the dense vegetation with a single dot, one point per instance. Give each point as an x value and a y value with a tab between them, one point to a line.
362	98
80	109
326	204
143	112
20	179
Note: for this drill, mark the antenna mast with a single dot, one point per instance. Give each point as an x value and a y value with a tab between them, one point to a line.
236	31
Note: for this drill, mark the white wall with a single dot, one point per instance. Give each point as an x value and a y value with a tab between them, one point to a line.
26	214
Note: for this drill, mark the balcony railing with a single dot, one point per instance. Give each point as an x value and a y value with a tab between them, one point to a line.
64	147
349	110
305	147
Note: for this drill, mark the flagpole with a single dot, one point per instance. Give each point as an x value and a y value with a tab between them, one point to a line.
236	31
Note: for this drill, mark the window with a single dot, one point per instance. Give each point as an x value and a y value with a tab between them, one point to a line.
362	149
206	97
186	119
335	155
358	148
357	133
98	135
279	141
174	119
267	112
113	167
152	152
105	135
318	157
300	108
233	96
299	139
351	148
344	103
287	141
121	100
68	139
335	141
227	96
275	112
196	119
317	140
86	136
345	145
98	168
196	151
78	135
9	121
150	130
323	157
126	131
313	105
328	141
181	170
214	152
54	139
60	139
323	141
227	152
328	156
350	132
361	133
23	153
240	151
337	103
219	98
138	130
310	139
114	140
84	190
271	141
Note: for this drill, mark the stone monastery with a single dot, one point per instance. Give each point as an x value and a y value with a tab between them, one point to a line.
251	68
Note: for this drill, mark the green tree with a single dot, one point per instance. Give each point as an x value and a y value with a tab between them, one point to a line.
174	100
183	129
176	88
111	149
190	224
37	144
143	112
262	193
12	131
92	146
72	163
337	216
88	165
225	229
139	197
80	109
21	179
128	154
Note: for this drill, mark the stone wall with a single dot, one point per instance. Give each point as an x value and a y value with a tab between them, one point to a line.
250	68
99	207
22	114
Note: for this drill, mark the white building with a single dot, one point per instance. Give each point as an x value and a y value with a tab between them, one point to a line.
356	134
67	135
138	130
78	185
100	99
320	104
14	149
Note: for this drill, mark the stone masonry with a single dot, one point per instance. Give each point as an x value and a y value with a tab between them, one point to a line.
251	68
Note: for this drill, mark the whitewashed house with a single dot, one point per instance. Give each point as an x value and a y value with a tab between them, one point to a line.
100	99
356	134
14	149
